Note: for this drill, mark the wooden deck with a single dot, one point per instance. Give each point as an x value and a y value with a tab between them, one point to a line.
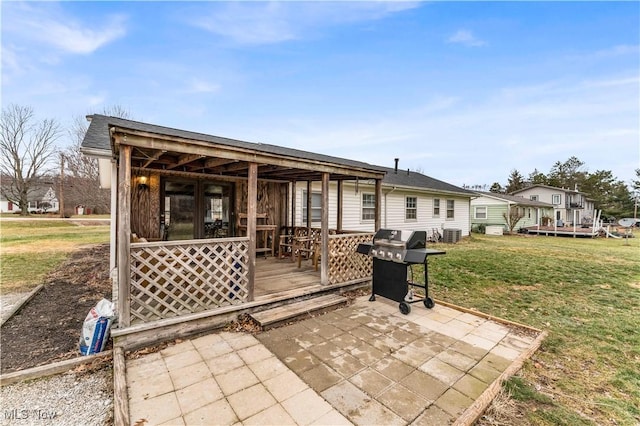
274	275
563	231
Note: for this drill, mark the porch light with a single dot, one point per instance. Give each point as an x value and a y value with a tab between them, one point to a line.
142	183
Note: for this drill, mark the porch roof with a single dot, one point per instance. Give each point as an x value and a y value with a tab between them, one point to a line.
163	148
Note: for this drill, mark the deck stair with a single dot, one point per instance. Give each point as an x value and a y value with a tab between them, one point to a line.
274	316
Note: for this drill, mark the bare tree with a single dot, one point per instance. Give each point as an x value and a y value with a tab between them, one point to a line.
512	218
82	183
27	147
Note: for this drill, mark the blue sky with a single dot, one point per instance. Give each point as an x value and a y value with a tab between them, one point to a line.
462	91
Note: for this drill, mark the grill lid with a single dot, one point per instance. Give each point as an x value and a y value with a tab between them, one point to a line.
400	239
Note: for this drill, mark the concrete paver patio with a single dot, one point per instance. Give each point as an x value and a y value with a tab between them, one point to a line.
364	364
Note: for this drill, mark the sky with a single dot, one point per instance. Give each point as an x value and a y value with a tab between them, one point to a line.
464	92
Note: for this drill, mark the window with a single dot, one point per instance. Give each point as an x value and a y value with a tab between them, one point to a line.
436	207
450	209
480	212
533	198
529	211
411	208
316	207
368	206
555	199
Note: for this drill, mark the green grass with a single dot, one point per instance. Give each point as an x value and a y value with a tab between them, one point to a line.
584	292
29	249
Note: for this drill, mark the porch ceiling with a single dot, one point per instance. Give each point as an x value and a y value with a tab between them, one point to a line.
172	156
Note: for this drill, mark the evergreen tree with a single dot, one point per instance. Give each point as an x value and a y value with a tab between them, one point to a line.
515	182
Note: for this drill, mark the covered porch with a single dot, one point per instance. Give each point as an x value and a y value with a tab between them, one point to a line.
197	221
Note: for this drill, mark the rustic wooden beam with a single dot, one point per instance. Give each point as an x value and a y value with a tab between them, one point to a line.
252	216
294	185
54	368
150	159
378	208
192	146
211	163
324	231
124	235
120	393
185	159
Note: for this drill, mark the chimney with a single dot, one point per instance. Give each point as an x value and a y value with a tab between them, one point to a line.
396	160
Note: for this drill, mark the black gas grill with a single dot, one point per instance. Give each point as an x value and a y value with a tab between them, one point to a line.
394	252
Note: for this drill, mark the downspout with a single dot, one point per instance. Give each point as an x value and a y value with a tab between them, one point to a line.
386	204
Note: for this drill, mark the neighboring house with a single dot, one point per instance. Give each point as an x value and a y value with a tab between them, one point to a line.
410	201
489	209
570	205
41	200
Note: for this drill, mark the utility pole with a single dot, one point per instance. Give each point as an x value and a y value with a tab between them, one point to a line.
61	196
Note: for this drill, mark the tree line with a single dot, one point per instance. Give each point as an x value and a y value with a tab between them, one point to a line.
611	195
30	159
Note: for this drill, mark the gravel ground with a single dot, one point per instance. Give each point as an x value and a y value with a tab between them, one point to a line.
67	399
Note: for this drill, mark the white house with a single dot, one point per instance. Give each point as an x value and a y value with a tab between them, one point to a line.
41	200
570	205
410	200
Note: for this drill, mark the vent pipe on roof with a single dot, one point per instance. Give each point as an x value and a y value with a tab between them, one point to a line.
407	172
396	160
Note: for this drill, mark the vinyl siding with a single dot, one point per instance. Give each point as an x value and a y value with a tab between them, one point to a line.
497	208
392	209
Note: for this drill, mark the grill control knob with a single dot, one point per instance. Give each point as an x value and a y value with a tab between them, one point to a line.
399	256
374	252
390	255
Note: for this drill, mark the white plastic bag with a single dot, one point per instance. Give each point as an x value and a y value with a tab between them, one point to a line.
95	329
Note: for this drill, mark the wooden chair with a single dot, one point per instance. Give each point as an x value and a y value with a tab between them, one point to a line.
303	247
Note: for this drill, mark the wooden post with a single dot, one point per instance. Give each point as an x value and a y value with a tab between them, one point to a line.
378	204
252	205
294	184
339	208
324	231
124	236
309	197
120	393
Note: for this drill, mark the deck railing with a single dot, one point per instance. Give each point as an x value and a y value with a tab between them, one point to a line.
174	278
344	263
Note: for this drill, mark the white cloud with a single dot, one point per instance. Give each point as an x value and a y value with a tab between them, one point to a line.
466	38
47	24
201	86
463	140
256	23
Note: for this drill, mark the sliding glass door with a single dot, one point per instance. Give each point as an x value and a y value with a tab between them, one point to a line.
196	209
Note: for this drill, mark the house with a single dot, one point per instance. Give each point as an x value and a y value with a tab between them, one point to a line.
42	199
570	205
410	201
192	214
489	209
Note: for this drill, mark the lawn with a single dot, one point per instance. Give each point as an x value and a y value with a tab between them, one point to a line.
29	249
584	292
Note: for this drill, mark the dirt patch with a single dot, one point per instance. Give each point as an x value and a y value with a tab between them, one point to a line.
47	329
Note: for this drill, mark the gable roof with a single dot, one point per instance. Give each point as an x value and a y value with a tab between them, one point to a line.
98	142
515	199
98	138
573	191
418	180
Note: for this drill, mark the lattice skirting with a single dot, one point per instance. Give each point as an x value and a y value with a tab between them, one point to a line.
170	279
344	263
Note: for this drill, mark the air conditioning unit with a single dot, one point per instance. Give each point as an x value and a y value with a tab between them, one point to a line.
451	235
